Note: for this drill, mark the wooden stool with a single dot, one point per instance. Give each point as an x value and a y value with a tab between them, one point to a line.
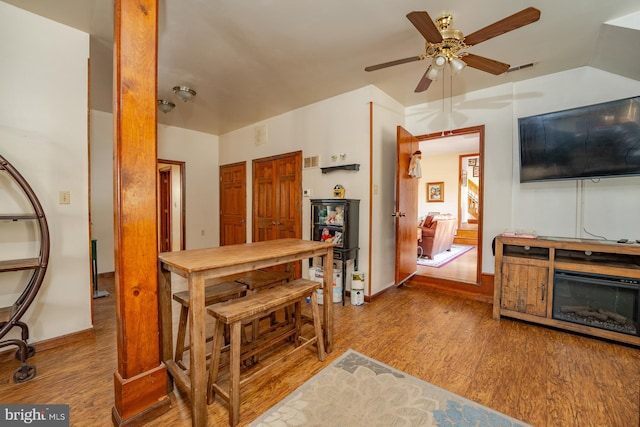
244	310
213	294
258	280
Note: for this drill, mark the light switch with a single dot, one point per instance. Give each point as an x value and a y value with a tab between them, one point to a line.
64	197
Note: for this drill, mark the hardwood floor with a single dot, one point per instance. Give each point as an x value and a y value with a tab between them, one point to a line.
462	269
542	376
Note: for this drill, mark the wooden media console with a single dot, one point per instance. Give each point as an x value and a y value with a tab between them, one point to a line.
581	285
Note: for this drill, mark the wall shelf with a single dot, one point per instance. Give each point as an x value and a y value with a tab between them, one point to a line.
351	167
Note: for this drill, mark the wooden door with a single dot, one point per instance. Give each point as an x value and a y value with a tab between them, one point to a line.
233	204
263	201
277	202
406	214
288	201
164	239
277	199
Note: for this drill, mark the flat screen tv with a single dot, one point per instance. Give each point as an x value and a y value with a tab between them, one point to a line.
596	141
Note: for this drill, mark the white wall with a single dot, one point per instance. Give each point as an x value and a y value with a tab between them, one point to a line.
558	208
198	150
387	115
338	125
607	207
43	133
102	215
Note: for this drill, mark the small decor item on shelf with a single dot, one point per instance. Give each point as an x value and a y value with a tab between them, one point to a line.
338	192
326	236
339	215
331	217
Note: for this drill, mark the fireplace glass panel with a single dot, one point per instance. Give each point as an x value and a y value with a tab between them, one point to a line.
598	301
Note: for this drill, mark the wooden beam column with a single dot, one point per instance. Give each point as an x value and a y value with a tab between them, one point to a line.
140	384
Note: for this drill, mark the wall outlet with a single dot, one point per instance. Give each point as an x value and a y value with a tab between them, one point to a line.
306	192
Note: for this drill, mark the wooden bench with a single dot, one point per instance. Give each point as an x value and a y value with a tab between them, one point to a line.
264	279
258	280
240	311
213	293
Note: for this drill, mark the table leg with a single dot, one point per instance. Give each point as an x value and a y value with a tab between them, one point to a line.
166	322
327	306
234	374
197	353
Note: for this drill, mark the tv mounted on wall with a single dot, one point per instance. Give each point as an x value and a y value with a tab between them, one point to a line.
595	141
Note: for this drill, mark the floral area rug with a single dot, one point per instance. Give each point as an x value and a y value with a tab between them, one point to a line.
445	257
356	390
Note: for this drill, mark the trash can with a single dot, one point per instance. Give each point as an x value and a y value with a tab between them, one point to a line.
357	288
317	274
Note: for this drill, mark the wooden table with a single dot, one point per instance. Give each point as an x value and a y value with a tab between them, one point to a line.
198	265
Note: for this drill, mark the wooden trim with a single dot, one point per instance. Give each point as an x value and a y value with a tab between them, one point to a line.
483	293
368	282
465	131
89	245
52	343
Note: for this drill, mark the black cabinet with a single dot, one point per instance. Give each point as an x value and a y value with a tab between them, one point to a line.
337	221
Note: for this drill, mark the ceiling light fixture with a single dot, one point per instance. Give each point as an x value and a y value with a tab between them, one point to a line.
457	65
165	106
184	93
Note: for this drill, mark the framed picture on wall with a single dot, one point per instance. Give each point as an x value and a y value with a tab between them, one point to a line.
472	162
435	191
476	171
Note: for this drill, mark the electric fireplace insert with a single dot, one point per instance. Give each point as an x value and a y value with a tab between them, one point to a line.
598	301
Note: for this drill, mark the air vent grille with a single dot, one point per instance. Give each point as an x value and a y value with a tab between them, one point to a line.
311	162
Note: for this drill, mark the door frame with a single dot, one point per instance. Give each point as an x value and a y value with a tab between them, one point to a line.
479	287
182	197
164	208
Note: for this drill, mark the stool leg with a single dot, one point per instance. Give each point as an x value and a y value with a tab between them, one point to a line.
297	314
234	370
182	335
317	326
214	367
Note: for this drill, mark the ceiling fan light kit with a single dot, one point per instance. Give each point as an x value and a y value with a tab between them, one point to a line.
445	45
457	65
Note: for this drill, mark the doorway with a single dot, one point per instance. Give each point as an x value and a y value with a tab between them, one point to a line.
462	152
171	205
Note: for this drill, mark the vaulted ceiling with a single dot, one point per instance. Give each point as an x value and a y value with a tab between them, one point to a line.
251	60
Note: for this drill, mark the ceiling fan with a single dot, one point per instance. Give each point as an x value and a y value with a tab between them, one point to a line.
446	45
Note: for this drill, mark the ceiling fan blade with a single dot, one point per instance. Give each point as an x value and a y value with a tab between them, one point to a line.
485	64
423	22
392	63
424	82
510	23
